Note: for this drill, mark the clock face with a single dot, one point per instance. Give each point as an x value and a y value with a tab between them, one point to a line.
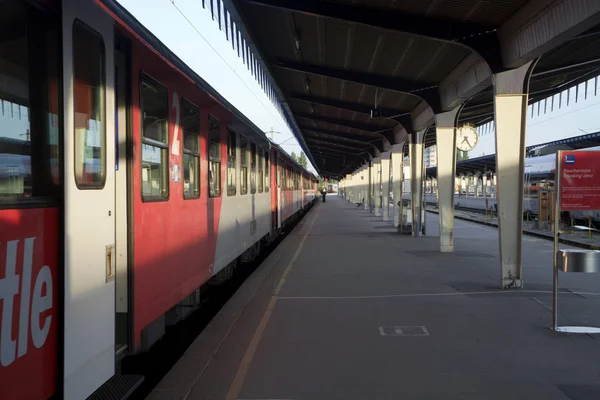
466	138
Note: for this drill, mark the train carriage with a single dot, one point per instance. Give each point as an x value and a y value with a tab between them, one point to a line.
126	184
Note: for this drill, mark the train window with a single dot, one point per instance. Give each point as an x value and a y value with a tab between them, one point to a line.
89	97
190	125
243	165
154	104
267	170
30	141
284	183
261	176
231	166
252	167
214	157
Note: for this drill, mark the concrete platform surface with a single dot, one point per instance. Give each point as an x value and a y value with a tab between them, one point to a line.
346	308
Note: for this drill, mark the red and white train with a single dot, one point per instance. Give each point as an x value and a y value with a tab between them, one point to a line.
126	183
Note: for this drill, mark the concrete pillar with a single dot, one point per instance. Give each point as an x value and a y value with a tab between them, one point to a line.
416	148
445	132
397	165
369	187
485	185
377	185
366	185
347	186
385	184
511	90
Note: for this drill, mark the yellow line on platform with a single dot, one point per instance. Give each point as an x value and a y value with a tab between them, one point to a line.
240	376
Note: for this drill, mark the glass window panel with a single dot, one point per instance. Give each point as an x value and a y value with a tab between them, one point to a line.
214	139
30	141
88	97
267	171
244	165
231	163
244	180
214	179
155	111
214	154
191	176
154	171
190	124
252	168
155	160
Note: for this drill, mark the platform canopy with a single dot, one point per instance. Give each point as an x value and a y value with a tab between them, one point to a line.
338	60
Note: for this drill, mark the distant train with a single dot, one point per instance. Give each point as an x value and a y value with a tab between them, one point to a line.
539	175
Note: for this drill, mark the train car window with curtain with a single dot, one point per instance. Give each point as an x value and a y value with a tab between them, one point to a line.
231	159
261	176
243	165
252	167
214	157
154	108
190	125
30	140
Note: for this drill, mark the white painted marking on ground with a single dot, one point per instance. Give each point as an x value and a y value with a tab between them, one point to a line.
403	331
578	329
391	296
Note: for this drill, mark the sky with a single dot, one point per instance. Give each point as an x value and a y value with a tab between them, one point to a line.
578	118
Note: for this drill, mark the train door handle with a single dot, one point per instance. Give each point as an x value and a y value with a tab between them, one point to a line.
110	263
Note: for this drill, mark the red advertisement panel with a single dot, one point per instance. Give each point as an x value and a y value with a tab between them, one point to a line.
580	180
28	303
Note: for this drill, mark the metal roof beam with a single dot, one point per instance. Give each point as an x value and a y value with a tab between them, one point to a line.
345	123
385	132
349	106
375	141
342	157
480	38
358	144
424	90
340	145
341	161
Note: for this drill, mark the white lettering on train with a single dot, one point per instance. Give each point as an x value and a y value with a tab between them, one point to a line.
9	288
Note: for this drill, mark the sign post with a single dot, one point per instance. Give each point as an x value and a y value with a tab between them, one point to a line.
577	184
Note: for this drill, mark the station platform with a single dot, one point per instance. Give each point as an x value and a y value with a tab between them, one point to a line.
346	308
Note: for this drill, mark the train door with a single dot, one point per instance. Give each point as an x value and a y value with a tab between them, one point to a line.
89	255
122	177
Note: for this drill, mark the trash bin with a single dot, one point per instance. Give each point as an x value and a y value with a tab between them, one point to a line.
573	260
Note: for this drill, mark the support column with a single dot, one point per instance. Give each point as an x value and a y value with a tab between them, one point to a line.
385	184
485	181
367	186
377	185
445	133
511	90
347	187
416	179
397	161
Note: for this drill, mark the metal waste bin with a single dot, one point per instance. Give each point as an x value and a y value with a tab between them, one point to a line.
574	260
